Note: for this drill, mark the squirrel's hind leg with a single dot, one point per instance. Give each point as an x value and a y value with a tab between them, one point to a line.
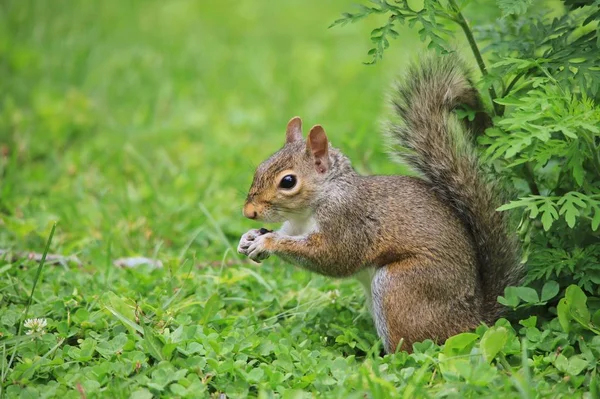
413	301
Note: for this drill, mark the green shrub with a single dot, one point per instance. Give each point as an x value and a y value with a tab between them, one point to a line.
540	68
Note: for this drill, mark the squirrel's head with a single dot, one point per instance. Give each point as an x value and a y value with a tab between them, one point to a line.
285	185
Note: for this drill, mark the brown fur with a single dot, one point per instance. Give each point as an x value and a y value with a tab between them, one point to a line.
422	242
441	149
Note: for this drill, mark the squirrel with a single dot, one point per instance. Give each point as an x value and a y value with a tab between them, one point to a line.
433	250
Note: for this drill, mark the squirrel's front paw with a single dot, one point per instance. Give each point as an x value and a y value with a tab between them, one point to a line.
258	250
252	244
246	240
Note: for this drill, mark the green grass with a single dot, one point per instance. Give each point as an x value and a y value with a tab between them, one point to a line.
136	126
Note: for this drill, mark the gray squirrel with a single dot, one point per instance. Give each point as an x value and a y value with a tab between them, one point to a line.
432	251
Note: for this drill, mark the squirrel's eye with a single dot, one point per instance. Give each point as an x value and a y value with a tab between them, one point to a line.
287	182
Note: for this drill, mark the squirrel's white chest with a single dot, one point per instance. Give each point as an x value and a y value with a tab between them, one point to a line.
300	226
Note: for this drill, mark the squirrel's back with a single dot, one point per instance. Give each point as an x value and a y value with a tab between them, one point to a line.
440	147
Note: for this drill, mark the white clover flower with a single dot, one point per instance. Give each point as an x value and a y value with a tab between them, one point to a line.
35	326
333	295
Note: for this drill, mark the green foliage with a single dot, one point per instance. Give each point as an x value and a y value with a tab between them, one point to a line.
517	7
547	122
192	335
430	20
519	297
135	126
540	64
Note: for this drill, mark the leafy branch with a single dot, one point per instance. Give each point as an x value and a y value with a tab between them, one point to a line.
464	25
403	14
432	30
570	206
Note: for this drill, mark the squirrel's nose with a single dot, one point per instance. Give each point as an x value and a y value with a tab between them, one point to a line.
250	211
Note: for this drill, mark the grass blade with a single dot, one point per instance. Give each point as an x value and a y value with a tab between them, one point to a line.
38	275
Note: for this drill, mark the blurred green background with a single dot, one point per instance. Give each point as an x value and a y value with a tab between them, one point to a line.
140	122
137	126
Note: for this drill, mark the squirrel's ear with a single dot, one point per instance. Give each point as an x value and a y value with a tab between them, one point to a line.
318	145
293	132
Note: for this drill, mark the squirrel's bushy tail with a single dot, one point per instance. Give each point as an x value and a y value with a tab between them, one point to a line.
440	146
